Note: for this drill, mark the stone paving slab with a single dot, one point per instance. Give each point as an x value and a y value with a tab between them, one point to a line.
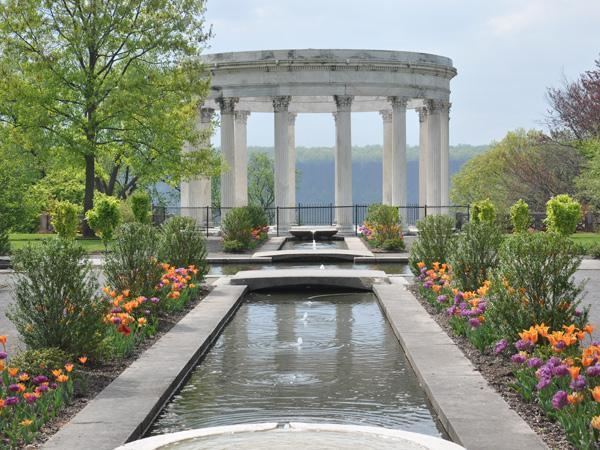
472	413
126	408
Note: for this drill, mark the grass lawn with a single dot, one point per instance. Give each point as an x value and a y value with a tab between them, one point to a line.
586	239
20	240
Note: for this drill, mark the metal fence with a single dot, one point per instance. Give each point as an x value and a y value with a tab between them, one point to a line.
209	217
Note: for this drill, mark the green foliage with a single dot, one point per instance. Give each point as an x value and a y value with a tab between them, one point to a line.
483	211
55	298
104	217
588	182
65	218
593	250
533	284
41	361
258	218
125	212
141	206
563	214
519	216
261	180
4	242
237	229
475	254
384	227
182	244
132	264
435	243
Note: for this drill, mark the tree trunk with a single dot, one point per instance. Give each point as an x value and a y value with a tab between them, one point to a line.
88	199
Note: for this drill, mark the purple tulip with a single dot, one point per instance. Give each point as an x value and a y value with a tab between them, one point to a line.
39	380
523	345
534	362
559	400
474	322
593	371
544	382
500	346
561	371
578	384
518	358
442	299
9	401
13	388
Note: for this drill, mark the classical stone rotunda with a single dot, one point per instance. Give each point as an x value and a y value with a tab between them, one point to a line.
292	82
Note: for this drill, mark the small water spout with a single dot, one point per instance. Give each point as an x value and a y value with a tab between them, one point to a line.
299	341
305	317
322	267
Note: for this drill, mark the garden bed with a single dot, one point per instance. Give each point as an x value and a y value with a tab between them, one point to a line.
498	372
100	376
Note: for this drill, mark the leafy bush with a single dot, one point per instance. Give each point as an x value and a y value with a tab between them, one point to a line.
141	206
65	218
237	226
258	218
483	211
4	242
104	217
182	244
562	214
132	265
593	250
382	227
435	243
40	361
392	244
519	216
55	298
125	212
533	284
475	254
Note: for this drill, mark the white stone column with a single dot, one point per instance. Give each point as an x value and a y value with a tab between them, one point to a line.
282	165
434	197
445	155
386	160
292	155
399	184
343	161
422	160
241	158
228	181
195	195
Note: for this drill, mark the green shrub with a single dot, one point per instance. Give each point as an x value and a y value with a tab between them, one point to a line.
41	361
593	250
125	212
475	254
562	214
237	226
519	216
104	217
483	211
393	244
141	206
55	298
435	243
533	284
4	242
182	244
258	218
65	218
133	262
384	227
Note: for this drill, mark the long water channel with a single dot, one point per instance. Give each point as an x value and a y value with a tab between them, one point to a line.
309	356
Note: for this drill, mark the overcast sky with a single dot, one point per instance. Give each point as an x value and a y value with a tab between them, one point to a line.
507	52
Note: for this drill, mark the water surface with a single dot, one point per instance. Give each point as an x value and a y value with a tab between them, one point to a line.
307	356
232	269
329	244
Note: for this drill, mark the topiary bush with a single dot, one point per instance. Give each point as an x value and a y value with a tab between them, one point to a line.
141	206
519	216
435	243
104	217
475	254
533	284
563	214
182	244
483	211
237	226
56	302
41	361
132	264
65	218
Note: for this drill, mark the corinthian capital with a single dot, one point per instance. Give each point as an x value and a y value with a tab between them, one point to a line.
343	102
437	105
398	102
227	104
422	113
292	118
281	103
386	115
206	114
242	116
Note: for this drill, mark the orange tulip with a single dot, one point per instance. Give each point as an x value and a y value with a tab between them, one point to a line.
57	373
13	371
596	393
69	367
3	341
62	378
574	398
595	422
574	371
23	377
83	359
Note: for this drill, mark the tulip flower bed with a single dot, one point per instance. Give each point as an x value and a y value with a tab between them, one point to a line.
29	400
556	370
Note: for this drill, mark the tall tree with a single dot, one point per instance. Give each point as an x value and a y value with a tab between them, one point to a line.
114	82
261	180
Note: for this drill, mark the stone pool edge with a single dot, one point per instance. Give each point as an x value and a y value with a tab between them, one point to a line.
126	408
471	411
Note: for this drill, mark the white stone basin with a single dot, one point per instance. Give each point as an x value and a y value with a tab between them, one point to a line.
295	435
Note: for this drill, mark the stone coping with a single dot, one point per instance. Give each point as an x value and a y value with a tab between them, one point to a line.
127	407
336	278
473	414
313	255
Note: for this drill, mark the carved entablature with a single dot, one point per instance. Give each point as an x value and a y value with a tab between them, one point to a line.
281	103
343	102
227	104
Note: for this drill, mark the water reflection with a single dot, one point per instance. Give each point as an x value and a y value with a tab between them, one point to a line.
348	368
